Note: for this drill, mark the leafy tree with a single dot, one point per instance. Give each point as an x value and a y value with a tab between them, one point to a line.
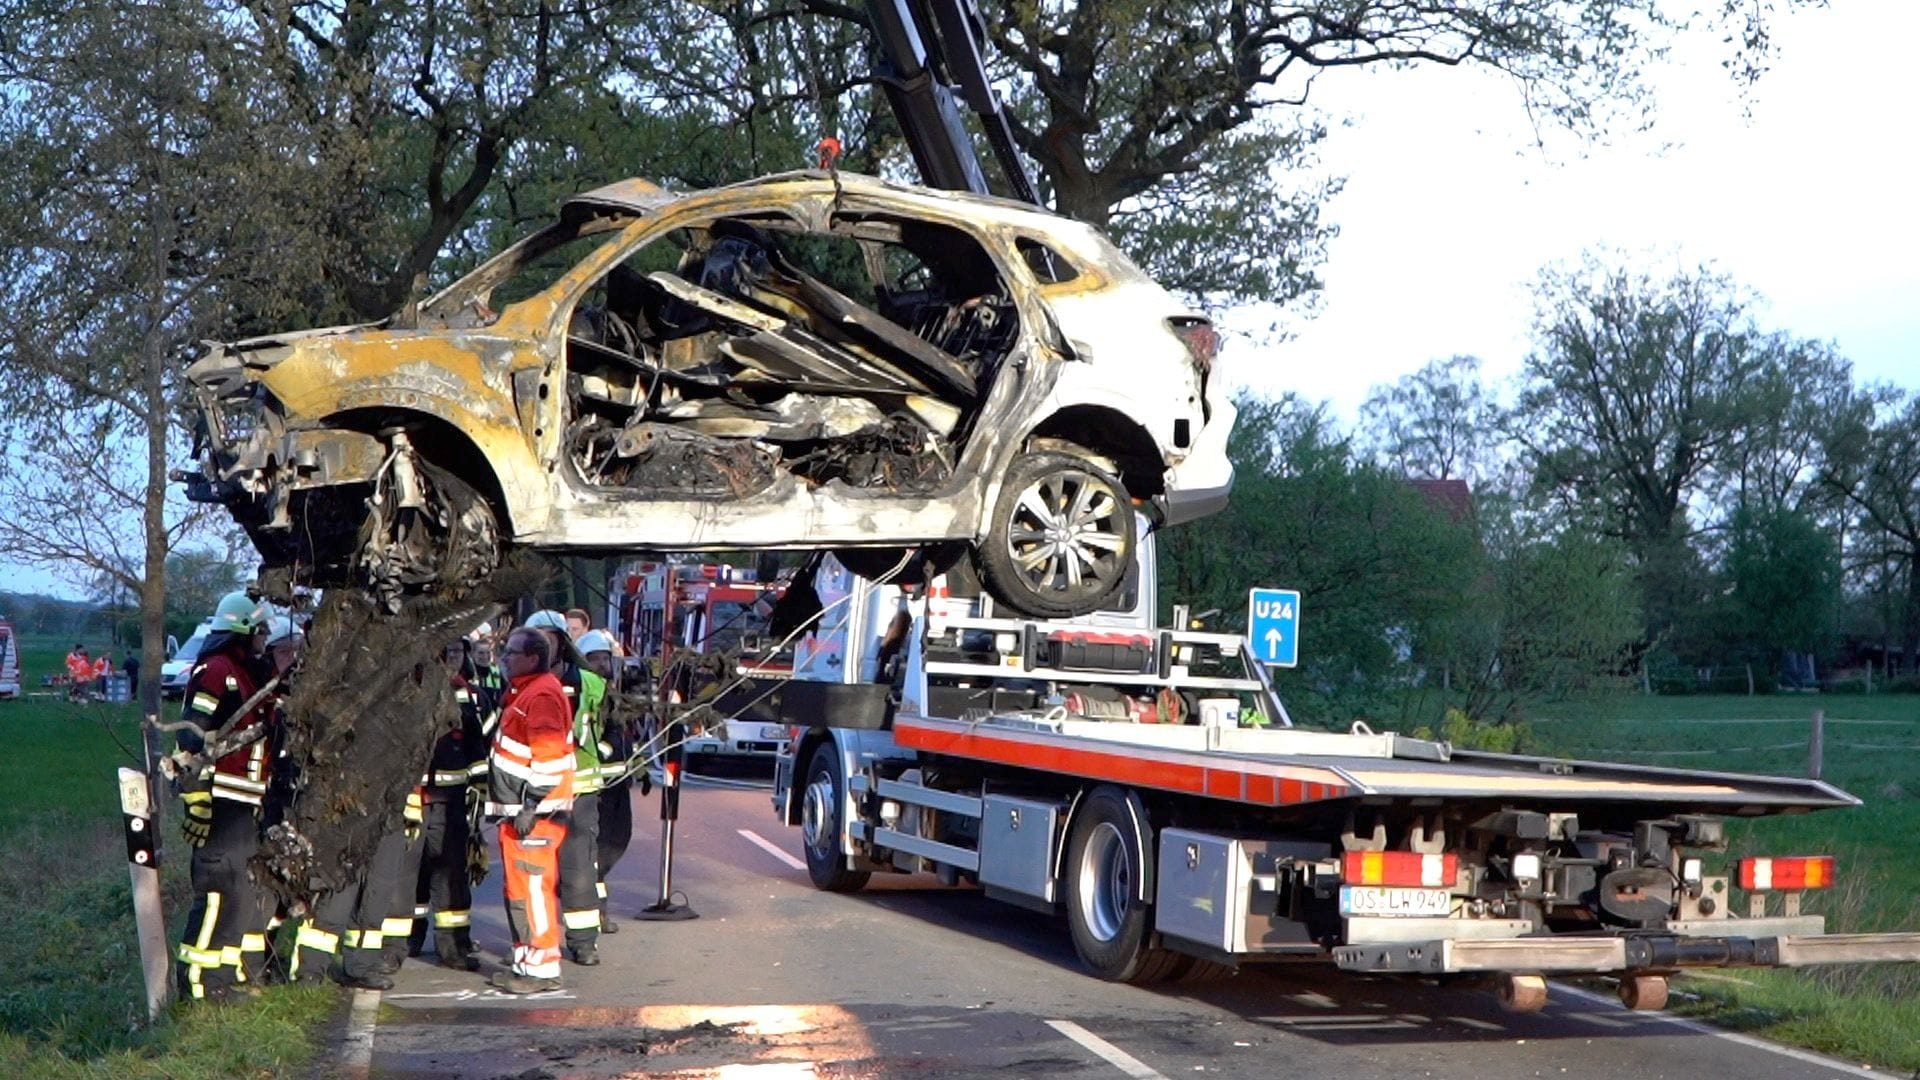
1438	423
1386	579
137	184
1873	462
1638	391
1783	576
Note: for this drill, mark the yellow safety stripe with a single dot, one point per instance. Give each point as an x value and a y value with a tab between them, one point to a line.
205	702
420	911
253	943
600	888
198	957
396	927
206	923
239	783
365	939
312	937
233	683
452	920
450	778
581	920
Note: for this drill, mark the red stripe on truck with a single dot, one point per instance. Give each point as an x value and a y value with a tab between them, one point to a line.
1254	782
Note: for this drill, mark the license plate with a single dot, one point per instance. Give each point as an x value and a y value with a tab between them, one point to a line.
1374	900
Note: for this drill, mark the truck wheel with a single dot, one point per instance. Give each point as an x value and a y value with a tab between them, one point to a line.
1111	927
1061	537
821	805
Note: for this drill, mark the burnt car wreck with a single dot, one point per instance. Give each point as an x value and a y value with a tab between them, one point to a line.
806	361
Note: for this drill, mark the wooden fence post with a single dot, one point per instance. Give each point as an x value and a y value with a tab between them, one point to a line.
1816	744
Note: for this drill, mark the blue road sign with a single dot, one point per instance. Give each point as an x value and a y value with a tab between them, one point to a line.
1273	626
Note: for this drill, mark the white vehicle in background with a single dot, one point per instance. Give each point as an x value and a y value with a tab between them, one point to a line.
173	673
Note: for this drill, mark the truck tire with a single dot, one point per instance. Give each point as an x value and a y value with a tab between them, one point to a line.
1112	929
821	804
1061	537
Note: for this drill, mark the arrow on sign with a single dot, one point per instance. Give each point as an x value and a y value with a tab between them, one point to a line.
1273	641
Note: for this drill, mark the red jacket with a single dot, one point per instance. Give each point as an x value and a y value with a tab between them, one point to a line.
219	685
532	757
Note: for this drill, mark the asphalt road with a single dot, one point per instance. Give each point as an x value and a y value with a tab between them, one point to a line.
911	979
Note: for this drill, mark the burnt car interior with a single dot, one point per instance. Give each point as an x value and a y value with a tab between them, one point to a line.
716	357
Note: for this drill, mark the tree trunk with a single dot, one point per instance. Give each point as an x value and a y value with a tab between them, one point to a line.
153	582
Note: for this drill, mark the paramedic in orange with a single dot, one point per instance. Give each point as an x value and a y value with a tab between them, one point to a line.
79	673
530	780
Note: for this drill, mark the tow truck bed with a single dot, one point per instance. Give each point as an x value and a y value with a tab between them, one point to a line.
1292	767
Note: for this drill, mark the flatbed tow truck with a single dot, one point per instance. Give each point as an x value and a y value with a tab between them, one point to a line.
1149	782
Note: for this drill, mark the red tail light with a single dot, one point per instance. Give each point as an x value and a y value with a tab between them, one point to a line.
1803	872
1403	869
1201	339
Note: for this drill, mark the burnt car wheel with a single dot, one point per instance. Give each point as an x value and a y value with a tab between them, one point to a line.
428	532
1061	537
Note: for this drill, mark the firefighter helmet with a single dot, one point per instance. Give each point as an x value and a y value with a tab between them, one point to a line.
238	613
547	619
594	641
282	628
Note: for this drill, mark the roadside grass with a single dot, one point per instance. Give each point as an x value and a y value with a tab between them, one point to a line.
1867	1013
73	1003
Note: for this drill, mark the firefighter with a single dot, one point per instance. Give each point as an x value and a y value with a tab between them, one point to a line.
224	949
580	857
617	749
530	790
442	893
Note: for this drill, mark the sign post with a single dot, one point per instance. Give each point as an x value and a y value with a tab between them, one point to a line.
1273	626
143	864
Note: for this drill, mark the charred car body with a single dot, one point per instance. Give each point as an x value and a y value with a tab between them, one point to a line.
810	360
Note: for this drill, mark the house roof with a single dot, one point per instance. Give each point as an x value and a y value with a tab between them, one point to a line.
1451	497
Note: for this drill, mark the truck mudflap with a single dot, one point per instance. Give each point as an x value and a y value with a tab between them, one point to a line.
1596	954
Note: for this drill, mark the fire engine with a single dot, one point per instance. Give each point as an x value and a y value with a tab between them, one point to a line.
698	632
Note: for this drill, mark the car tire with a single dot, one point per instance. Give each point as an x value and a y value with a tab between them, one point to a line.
1112	928
821	804
1061	538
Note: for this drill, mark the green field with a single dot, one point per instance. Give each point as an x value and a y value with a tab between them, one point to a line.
1872	750
73	1005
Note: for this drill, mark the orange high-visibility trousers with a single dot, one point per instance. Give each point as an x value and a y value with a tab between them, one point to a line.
533	895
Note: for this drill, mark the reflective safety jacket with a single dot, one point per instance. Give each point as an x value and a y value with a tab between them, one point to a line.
588	693
460	754
216	689
532	756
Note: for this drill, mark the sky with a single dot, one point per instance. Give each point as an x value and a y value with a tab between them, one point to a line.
1807	193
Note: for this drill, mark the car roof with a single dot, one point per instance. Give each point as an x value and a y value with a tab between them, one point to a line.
642	196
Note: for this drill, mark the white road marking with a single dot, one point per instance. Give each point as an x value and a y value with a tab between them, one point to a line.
356	1051
1107	1052
772	849
1468	1021
1602	1019
1806	1056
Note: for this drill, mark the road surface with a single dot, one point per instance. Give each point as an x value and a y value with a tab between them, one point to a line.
912	979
